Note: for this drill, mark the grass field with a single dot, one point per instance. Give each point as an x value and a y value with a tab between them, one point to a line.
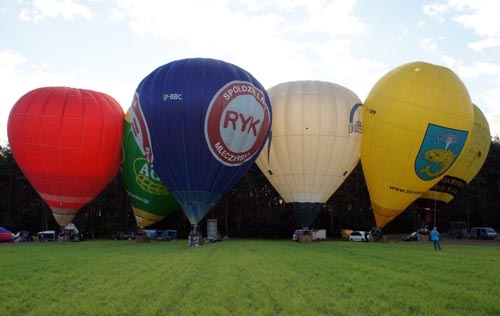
248	277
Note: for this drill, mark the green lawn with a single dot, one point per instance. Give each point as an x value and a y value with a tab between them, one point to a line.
248	277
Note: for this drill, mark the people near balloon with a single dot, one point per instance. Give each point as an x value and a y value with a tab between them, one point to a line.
67	143
417	120
436	238
377	234
315	143
191	238
195	239
200	123
150	200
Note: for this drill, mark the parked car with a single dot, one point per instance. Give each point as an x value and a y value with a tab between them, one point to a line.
359	235
483	233
415	236
458	230
124	235
47	235
167	235
24	236
424	230
302	235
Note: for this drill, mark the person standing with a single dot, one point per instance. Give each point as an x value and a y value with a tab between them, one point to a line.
435	237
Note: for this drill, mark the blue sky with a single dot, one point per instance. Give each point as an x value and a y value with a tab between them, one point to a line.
111	45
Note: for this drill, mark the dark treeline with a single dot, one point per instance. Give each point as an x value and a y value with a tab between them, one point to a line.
253	208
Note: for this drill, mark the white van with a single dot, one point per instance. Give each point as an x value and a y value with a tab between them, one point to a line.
47	235
483	233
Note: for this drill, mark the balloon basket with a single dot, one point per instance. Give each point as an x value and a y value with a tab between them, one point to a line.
305	238
142	238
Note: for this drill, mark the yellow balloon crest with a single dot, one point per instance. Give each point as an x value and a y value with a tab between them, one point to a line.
468	165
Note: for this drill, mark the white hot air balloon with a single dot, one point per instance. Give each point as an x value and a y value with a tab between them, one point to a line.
314	145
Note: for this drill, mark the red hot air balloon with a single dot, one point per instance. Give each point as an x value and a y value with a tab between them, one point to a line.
67	142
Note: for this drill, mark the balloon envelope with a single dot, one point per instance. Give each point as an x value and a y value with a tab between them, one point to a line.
150	199
201	123
416	120
315	143
467	165
67	143
6	235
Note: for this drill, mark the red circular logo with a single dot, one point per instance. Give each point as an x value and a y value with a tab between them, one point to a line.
237	122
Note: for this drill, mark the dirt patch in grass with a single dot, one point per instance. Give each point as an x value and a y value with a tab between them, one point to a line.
472	242
463	242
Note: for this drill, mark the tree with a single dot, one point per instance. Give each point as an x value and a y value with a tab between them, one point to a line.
252	208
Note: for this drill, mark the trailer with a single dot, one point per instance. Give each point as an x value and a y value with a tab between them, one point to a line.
212	232
319	234
47	235
308	235
167	235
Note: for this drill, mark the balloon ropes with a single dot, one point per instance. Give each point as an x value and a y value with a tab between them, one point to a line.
67	143
416	121
315	144
200	123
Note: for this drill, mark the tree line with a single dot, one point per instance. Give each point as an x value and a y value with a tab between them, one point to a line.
253	208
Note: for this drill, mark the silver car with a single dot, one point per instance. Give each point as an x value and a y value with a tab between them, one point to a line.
360	235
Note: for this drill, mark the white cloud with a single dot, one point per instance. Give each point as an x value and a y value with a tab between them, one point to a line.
17	74
436	10
332	18
479	69
9	60
336	64
448	61
478	46
67	9
481	16
403	32
225	21
478	15
429	45
488	102
276	41
175	20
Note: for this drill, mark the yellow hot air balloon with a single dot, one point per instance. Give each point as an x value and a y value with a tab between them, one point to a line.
416	121
467	165
315	143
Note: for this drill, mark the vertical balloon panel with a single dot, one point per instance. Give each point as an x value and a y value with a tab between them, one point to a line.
467	165
67	143
416	121
315	143
150	199
201	123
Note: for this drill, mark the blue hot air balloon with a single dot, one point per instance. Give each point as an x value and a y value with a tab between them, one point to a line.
201	123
